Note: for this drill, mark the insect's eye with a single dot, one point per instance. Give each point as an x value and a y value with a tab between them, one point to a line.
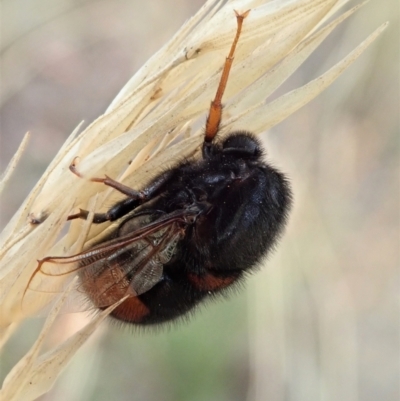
242	144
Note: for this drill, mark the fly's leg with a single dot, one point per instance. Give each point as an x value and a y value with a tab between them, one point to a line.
215	113
134	198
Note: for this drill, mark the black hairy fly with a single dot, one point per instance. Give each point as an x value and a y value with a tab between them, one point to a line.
192	232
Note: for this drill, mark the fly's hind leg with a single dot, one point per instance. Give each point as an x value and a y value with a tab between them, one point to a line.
120	209
134	198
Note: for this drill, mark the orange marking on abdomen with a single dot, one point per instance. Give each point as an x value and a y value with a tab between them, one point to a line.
132	310
209	282
106	288
109	287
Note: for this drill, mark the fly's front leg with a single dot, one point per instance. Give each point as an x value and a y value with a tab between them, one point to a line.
134	198
215	112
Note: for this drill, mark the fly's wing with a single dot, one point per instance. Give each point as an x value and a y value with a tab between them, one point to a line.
127	265
130	270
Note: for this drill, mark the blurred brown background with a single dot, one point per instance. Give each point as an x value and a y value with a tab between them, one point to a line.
320	321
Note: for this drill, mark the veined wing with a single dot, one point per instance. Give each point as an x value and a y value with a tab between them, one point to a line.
127	265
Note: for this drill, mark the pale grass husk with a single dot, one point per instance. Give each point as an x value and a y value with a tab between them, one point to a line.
156	119
36	373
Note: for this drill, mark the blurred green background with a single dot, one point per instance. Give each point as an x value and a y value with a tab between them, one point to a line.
320	321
